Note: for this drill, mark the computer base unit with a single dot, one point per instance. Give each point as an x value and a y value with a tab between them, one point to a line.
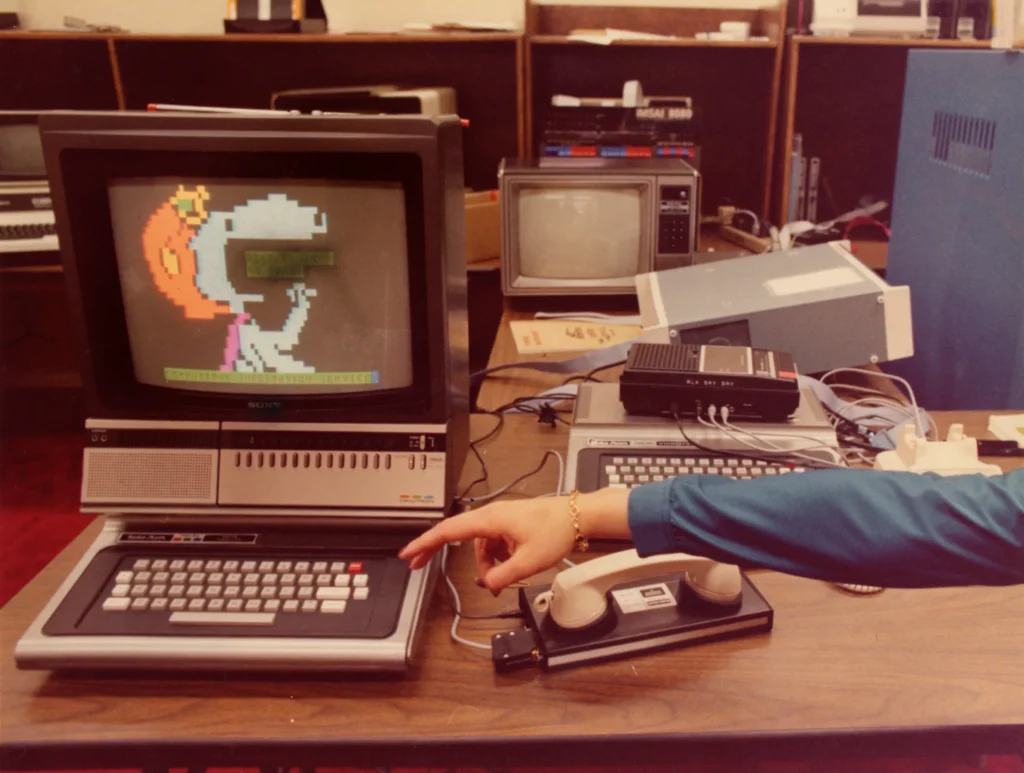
655	613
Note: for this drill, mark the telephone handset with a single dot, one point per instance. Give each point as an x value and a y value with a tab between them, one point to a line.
579	596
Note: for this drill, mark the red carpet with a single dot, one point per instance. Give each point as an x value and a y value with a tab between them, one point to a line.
39	500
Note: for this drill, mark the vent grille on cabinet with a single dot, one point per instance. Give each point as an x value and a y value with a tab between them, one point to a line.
142	475
963	142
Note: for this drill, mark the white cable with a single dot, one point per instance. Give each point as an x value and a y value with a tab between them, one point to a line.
457	603
772	451
891	377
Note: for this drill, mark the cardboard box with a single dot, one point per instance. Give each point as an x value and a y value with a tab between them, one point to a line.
483	226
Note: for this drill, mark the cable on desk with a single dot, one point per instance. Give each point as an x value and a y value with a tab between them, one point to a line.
589	375
740	455
476	452
505	489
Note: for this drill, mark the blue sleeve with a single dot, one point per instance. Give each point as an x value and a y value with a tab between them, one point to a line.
893	529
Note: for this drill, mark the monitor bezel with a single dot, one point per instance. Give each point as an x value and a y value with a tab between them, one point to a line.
97	306
20	118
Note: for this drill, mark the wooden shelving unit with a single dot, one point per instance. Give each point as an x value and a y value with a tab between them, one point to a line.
844	96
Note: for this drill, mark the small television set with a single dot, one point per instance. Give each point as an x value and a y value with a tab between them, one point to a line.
271	310
588	226
28	235
21	150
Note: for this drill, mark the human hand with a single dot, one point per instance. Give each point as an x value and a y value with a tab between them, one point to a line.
514	540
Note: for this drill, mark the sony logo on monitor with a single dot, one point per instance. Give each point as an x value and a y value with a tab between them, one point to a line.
265	406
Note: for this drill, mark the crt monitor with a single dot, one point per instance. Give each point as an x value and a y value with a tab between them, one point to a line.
588	226
270	271
21	151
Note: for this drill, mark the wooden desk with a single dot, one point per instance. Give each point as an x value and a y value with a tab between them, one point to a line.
903	672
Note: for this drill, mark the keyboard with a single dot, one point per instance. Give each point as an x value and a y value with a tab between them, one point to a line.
27	231
629	471
174	593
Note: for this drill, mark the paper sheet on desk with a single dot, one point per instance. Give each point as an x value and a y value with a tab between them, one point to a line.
548	336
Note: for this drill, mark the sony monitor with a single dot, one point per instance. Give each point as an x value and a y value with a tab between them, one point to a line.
588	226
271	312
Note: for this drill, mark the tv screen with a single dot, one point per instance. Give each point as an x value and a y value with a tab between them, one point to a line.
576	233
264	286
21	150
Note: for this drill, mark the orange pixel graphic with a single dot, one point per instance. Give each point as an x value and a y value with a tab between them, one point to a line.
165	243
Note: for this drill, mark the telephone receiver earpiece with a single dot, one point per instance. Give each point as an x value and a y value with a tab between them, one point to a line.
579	596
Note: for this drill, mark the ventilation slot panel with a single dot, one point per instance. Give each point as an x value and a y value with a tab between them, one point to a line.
962	142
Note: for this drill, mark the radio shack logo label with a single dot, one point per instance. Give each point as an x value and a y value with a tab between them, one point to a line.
644	598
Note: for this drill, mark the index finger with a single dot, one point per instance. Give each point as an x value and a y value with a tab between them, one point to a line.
455	529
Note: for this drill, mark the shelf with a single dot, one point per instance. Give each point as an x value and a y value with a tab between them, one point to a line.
884	41
565	40
394	37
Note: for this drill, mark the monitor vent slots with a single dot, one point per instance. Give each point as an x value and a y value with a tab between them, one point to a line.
674	358
312	460
963	142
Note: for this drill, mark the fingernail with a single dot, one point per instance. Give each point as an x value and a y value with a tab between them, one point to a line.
479	582
495	593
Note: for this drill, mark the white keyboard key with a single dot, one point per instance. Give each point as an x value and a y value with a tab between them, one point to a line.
305	579
361	594
617	485
271	606
784	471
177	565
647	460
162	577
270	579
176	590
333	593
713	471
212	566
323	579
140	604
684	470
610	469
137	591
286	591
283	566
301	567
625	468
342	580
235	605
223	618
732	462
305	593
643	479
268	592
657	478
618	460
266	566
248	566
117	603
757	471
640	469
689	461
628	479
232	592
253	605
771	471
217	578
251	579
143	576
655	470
320	567
697	470
333	607
177	604
120	591
158	605
361	580
230	566
215	605
179	578
250	592
195	566
337	566
156	591
291	606
632	460
287	579
310	606
675	461
212	591
196	605
196	578
233	579
670	471
141	563
194	591
159	564
123	578
799	469
746	462
661	461
613	479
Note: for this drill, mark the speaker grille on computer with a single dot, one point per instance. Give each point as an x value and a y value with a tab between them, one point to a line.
150	476
663	357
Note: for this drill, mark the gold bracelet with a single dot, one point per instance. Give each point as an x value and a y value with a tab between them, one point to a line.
582	543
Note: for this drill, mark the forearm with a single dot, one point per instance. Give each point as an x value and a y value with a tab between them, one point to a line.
888	529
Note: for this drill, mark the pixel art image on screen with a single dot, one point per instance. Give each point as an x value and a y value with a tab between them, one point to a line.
264	287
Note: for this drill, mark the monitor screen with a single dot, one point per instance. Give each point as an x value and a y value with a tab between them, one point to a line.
21	150
577	233
264	286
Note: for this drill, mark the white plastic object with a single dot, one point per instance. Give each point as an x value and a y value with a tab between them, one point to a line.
1008	427
579	596
956	455
739	30
632	94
